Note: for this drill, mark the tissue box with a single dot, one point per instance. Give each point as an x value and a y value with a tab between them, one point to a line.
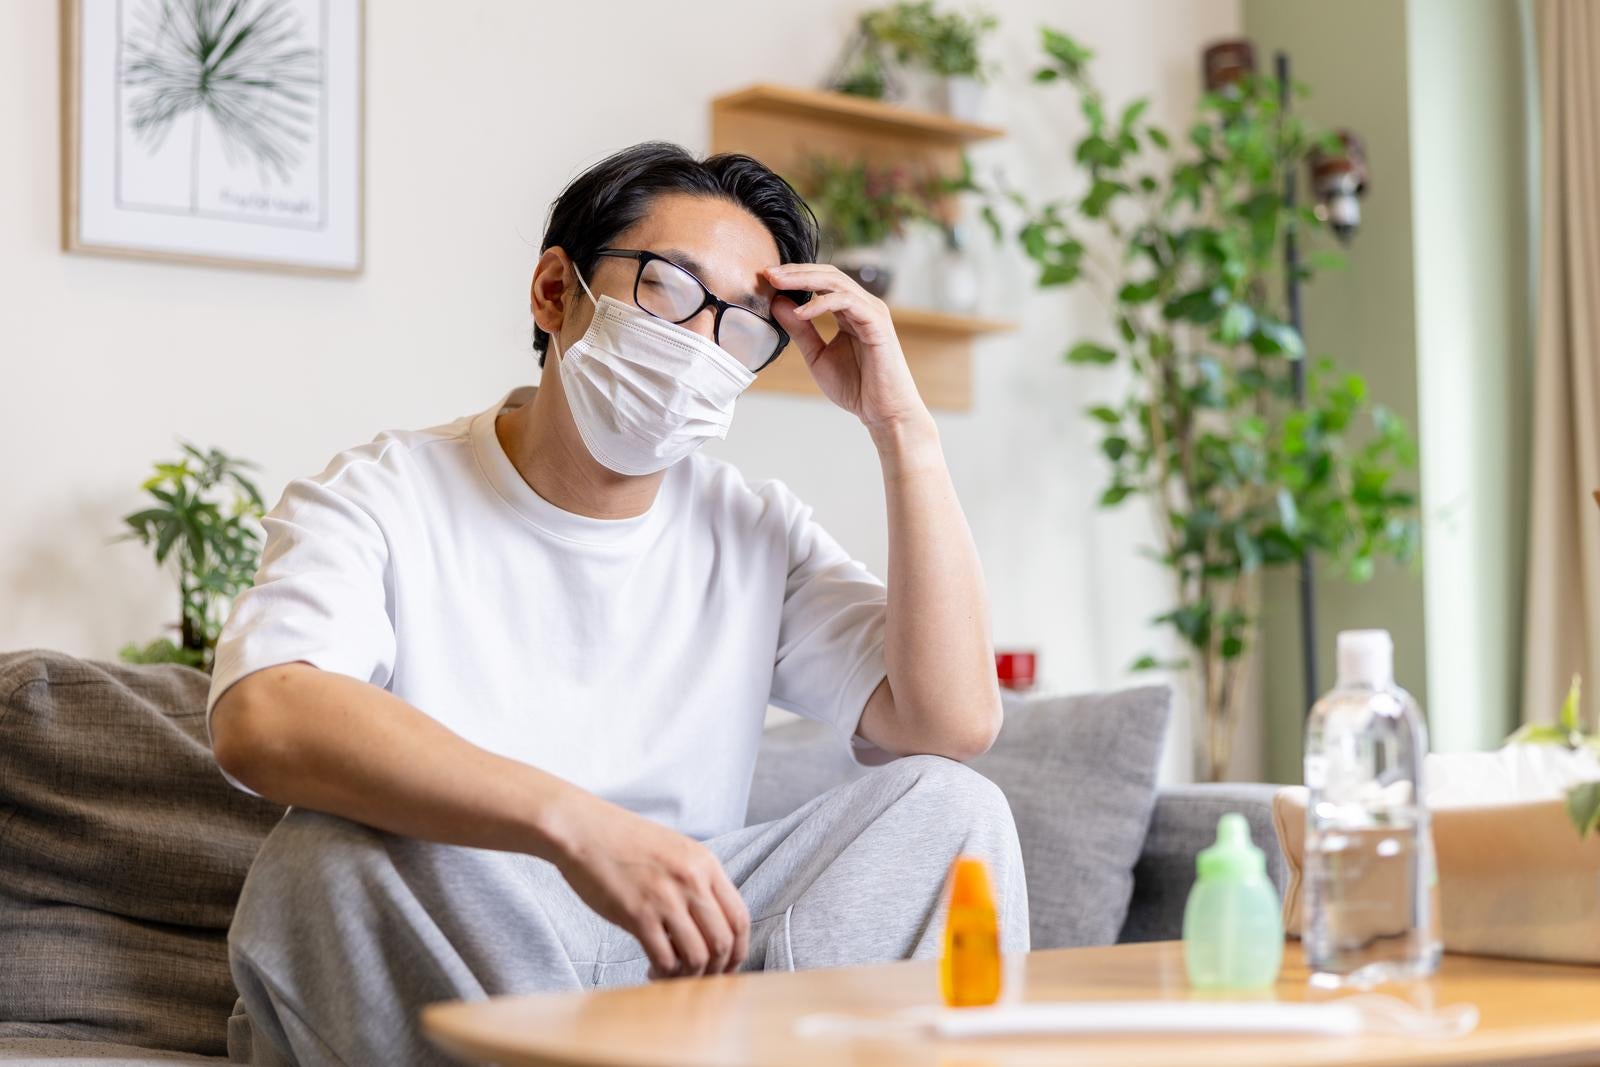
1515	880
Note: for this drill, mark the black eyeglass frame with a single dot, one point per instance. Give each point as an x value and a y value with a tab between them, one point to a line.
710	300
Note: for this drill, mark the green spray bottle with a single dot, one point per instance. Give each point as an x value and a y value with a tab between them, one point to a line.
1233	921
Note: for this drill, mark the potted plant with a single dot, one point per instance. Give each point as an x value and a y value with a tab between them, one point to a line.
1240	477
206	521
1583	799
914	54
862	209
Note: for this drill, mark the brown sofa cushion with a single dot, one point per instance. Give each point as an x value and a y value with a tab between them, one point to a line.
122	851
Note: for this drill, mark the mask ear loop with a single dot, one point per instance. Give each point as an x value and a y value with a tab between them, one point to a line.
579	274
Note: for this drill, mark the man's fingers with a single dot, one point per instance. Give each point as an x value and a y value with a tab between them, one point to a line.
738	918
824	304
817	277
693	955
656	944
801	331
706	911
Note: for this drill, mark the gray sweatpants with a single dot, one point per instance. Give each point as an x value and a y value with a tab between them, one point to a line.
343	932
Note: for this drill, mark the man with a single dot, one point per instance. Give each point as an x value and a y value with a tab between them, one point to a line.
510	673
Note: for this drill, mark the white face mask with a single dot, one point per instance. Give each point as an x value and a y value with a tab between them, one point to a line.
645	392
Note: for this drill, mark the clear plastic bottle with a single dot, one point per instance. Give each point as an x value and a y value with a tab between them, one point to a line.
1371	887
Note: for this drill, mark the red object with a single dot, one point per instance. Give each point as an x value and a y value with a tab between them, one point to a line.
1015	669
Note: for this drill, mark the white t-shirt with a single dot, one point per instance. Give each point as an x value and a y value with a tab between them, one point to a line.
632	657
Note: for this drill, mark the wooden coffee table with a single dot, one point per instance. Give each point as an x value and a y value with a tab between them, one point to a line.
1530	1013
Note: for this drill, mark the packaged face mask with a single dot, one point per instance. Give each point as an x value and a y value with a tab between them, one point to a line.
645	392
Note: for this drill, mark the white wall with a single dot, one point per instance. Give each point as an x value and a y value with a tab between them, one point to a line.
475	119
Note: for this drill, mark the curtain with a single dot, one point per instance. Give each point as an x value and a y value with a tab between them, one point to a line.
1563	591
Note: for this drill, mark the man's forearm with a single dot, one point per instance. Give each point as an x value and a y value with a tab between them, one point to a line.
317	739
939	653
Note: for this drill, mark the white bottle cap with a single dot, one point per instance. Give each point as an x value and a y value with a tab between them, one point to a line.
1366	657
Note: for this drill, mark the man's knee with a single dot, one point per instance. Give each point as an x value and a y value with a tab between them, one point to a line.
950	787
309	859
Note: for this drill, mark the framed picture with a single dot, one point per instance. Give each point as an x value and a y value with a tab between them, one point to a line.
214	131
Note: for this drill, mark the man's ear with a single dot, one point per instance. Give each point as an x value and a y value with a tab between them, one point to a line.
553	279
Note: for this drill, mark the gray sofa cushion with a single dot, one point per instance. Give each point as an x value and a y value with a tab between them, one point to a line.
122	851
1079	773
1184	822
49	1052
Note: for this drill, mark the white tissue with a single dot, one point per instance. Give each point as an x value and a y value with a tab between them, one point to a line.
1368	1013
1515	774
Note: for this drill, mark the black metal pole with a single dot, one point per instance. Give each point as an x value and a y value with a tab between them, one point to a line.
1297	376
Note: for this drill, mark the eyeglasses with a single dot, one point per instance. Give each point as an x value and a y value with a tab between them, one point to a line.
667	291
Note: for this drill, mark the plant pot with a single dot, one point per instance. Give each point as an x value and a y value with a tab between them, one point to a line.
918	88
868	265
964	98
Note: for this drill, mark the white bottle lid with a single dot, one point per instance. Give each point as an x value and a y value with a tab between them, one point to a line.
1366	657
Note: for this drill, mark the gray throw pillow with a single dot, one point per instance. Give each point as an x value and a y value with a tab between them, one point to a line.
122	851
1079	773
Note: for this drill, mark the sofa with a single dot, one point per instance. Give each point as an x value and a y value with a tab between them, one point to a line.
122	849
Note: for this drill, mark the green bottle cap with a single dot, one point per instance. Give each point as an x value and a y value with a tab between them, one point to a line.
1233	856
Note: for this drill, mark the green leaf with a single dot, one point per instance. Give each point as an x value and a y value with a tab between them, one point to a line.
1145	662
1064	50
1132	112
1046	74
1088	352
1198	305
1288	514
1583	807
1114	447
1115	495
1361	568
1238	322
1105	415
1096	151
1058	273
1138	292
1232	646
1272	336
990	219
1158	137
1100	195
1534	733
1569	706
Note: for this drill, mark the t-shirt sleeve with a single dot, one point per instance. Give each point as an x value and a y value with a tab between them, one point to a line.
321	591
830	638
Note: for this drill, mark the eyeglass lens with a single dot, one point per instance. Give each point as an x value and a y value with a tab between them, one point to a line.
669	291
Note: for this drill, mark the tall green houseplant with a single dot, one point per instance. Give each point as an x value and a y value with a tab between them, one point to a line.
1239	476
205	525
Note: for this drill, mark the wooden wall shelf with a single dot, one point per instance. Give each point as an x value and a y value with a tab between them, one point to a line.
938	346
783	127
869	116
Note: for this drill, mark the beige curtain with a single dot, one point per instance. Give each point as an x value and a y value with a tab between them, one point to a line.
1563	593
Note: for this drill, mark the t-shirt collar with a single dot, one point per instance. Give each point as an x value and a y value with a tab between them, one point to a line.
511	487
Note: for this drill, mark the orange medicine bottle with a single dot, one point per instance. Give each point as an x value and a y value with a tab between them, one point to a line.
969	972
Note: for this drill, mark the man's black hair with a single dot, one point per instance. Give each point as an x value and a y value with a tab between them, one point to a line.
617	192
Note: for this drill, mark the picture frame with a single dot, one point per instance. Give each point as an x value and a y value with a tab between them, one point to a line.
187	140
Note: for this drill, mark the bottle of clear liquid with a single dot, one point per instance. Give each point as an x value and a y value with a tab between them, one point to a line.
1371	888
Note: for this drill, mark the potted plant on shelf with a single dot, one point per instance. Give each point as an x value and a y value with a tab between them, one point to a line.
206	520
862	209
912	53
1240	477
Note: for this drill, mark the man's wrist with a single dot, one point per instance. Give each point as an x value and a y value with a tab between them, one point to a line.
553	814
907	444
